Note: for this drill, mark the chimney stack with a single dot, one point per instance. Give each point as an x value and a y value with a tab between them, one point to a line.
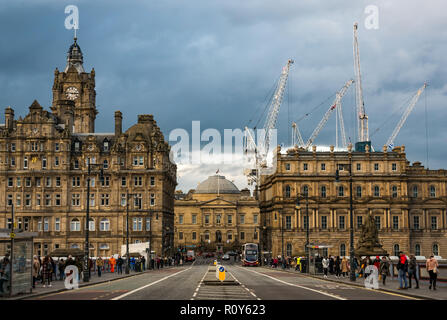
118	123
9	118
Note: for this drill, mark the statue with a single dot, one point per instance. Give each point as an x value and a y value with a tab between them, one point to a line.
368	244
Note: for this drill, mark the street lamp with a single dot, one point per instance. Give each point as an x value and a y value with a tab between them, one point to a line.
351	217
128	195
306	249
86	276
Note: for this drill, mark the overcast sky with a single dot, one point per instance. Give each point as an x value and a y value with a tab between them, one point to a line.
216	61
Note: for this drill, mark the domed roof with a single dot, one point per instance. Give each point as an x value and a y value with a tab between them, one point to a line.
214	183
74	57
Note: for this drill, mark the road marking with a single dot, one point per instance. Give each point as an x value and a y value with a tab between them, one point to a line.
150	284
244	286
198	286
296	285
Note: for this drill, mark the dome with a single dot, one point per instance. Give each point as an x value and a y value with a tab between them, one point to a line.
74	57
213	183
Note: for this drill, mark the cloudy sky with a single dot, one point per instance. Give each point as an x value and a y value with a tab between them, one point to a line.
217	61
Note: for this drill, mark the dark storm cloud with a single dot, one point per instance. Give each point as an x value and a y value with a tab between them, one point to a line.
215	61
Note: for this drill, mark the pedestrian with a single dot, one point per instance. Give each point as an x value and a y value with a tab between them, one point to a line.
376	263
402	266
61	267
337	267
331	265
119	264
344	266
325	263
432	268
99	265
53	269
36	269
6	272
143	263
412	271
384	269
47	269
112	262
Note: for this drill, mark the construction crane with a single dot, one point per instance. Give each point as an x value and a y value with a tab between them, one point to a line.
297	139
339	114
260	149
323	121
362	120
414	100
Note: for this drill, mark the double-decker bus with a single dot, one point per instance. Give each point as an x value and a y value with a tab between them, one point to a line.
250	254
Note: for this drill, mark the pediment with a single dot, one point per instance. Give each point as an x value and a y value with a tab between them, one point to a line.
218	202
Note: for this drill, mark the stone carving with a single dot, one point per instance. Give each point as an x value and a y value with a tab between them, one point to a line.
368	243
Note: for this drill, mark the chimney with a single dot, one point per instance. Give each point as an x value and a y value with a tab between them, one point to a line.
9	118
118	123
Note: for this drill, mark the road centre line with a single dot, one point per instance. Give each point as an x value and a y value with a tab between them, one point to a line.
244	286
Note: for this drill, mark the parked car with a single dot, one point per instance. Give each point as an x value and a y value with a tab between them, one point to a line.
226	256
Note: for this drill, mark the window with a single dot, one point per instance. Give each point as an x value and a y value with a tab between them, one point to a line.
255	219
106	181
56	161
106	146
377	222
230	219
76	181
395	222
152	181
416	222
48	200
48	182
34	146
18	200
435	249
75	246
434	222
287	191
76	164
138	201
148	224
207	235
306	191
415	191
13	161
152	199
19	182
288	166
46	224
432	191
323	222
44	163
394	167
123	199
242	219
207	219
25	163
396	250
92	199
289	249
57	199
123	181
323	191
341	222
103	246
57	224
180	235
394	191
38	199
141	159
91	224
27	200
194	219
104	199
10	182
137	224
359	221
180	219
341	191
13	147
58	181
27	182
39	225
75	199
305	166
342	250
37	182
417	250
376	167
359	166
376	191
288	222
56	146
77	146
105	164
138	181
9	200
75	225
135	161
323	167
242	235
104	224
229	236
194	235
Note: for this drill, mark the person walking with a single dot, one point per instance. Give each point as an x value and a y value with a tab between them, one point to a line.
119	264
376	263
143	263
112	262
402	266
36	269
6	273
337	267
99	265
325	264
47	270
412	271
384	269
432	268
331	265
61	267
344	267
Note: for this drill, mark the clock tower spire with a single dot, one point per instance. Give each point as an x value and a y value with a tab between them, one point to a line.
79	86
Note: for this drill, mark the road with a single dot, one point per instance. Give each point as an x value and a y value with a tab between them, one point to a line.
185	283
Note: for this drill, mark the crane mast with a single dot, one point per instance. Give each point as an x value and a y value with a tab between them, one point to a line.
341	122
362	120
297	139
414	100
323	121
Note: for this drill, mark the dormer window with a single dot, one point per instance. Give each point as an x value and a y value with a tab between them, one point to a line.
106	146
77	146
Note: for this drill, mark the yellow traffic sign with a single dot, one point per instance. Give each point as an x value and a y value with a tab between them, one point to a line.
12	235
215	262
221	270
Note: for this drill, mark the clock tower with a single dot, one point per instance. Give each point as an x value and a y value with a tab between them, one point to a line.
79	86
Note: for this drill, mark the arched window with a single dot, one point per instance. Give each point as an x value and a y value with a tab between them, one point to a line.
104	225
417	249
75	246
323	191
75	225
289	250
287	195
396	250
218	236
207	235
103	246
305	191
342	250
229	236
91	224
376	191
432	191
435	249
105	164
415	191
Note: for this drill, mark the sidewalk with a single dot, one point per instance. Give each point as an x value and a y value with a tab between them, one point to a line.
392	285
58	285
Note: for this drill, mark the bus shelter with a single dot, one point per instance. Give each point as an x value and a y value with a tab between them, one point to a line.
17	248
316	254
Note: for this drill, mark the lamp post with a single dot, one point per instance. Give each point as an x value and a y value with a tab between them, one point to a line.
351	219
86	275
127	228
306	248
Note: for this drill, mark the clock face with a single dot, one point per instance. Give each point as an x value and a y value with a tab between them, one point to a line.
72	93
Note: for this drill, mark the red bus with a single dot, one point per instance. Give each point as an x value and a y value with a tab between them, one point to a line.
250	255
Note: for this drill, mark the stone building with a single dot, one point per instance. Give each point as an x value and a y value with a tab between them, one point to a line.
408	202
216	216
44	172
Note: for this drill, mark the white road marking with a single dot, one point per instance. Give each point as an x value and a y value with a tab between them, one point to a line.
296	285
244	286
150	284
198	286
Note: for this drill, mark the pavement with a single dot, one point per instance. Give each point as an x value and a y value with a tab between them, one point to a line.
392	285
